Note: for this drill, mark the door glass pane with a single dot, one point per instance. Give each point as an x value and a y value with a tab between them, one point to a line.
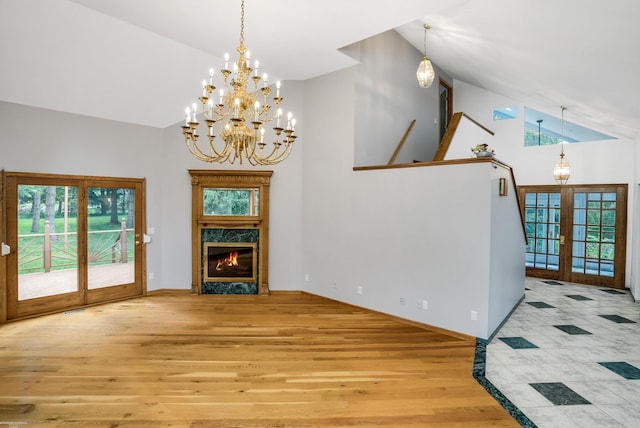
542	231
530	199
542	225
541	261
608	218
593	252
543	199
609	200
593	216
110	237
47	240
606	268
608	234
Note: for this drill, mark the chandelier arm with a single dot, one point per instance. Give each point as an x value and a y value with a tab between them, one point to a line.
274	157
199	154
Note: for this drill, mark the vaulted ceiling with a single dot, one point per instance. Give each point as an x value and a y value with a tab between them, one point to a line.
141	61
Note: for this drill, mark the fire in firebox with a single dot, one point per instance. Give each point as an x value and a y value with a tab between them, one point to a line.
227	262
230	261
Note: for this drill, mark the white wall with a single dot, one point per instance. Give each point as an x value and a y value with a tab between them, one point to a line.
388	98
285	204
595	162
65	143
46	141
408	233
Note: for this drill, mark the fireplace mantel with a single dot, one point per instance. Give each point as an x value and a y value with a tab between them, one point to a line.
230	207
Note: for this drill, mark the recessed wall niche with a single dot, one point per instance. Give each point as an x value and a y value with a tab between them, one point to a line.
230	232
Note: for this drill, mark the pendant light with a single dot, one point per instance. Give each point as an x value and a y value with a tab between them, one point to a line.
562	169
425	73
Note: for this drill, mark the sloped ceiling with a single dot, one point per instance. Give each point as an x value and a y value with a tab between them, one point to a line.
141	61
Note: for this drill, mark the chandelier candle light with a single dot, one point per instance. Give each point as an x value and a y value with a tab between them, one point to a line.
240	115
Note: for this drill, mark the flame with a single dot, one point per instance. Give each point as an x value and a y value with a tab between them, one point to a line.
230	261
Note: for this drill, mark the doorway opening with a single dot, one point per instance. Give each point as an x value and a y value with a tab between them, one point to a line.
75	241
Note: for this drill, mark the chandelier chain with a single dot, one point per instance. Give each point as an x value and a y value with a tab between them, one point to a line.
242	24
425	39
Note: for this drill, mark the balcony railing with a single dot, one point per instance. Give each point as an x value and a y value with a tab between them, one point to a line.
44	252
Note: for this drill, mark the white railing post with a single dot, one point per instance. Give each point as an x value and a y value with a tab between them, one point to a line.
123	242
47	246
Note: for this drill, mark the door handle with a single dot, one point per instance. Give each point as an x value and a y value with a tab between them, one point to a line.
561	239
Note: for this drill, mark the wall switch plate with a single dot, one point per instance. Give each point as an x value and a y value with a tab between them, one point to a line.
474	315
359	289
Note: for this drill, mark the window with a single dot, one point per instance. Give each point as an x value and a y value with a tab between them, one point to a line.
230	201
541	129
505	113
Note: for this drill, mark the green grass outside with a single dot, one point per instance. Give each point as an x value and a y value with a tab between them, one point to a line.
95	223
65	256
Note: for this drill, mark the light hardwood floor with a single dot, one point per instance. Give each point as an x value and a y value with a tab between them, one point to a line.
286	360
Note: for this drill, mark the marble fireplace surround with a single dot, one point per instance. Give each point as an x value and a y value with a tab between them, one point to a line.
229	229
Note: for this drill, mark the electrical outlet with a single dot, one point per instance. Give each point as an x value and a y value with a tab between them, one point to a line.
402	301
425	304
307	277
335	285
150	275
359	289
474	315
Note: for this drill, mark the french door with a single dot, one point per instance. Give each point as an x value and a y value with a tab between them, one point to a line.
576	233
75	241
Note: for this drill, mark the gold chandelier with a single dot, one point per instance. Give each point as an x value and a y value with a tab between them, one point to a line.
240	116
562	169
425	73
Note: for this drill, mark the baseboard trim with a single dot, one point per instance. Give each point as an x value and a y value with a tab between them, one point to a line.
169	292
404	320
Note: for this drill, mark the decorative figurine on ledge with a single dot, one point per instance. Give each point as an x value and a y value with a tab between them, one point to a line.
483	151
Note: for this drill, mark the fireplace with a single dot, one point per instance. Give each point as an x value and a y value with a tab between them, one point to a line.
230	232
230	262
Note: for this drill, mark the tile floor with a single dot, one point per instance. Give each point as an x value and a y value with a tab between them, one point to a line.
569	356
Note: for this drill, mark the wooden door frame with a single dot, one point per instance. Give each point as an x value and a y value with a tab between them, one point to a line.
11	307
565	272
449	88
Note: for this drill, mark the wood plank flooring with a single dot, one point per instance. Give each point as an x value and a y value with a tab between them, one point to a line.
286	360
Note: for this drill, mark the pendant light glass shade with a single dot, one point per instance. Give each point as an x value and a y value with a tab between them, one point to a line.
562	169
425	73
